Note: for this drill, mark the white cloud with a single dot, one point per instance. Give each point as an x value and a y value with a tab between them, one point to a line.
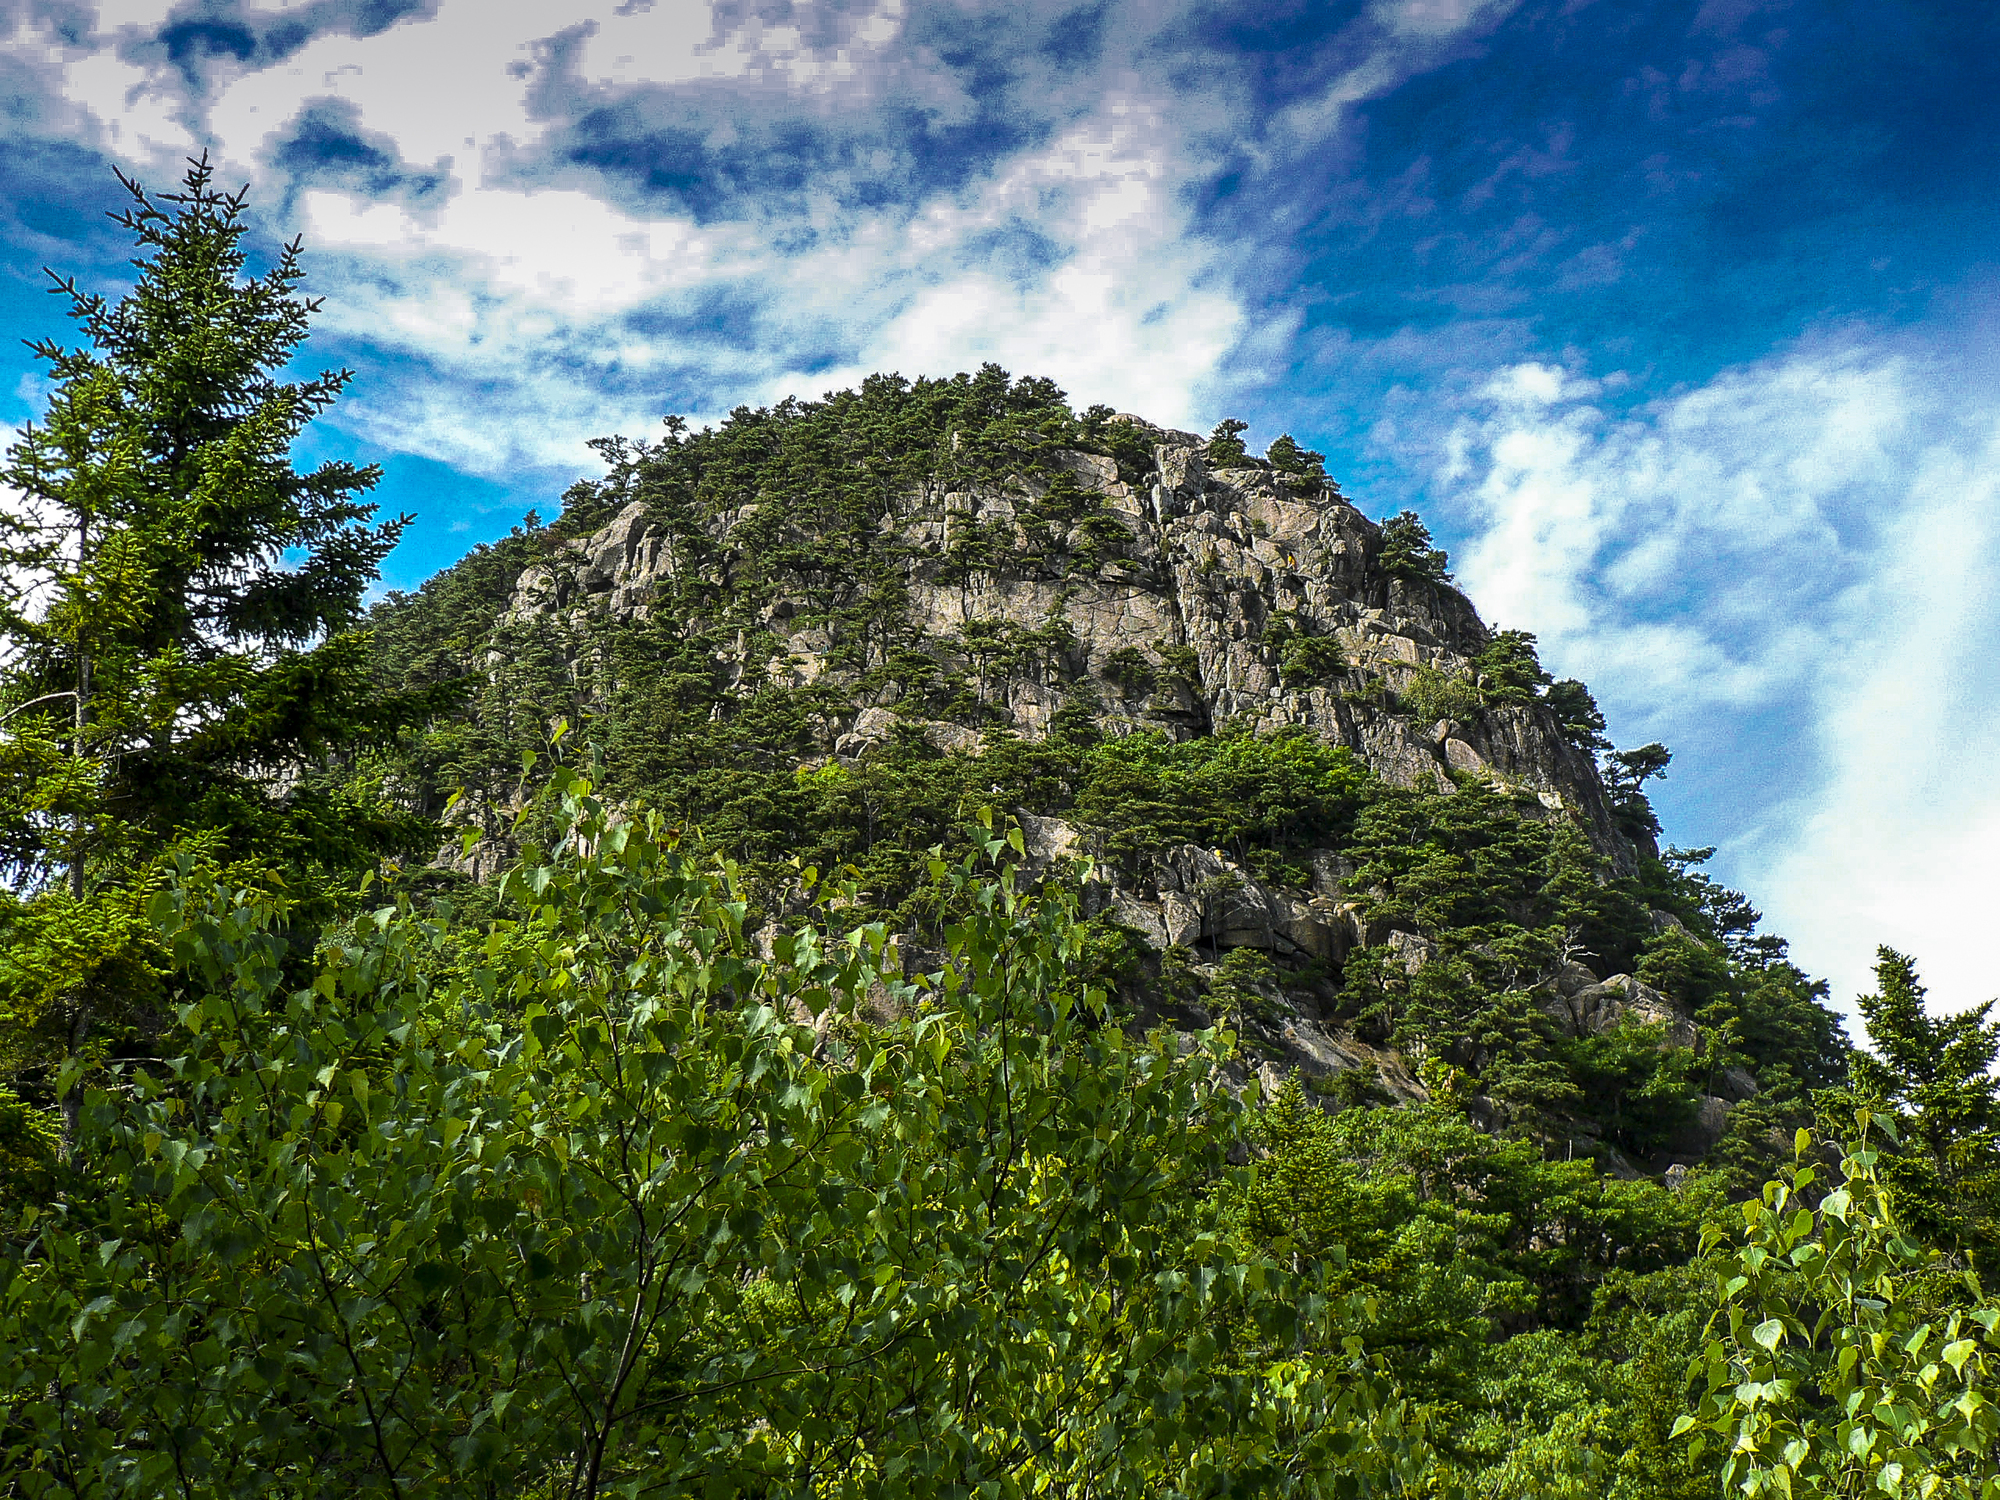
524	285
1900	843
1810	540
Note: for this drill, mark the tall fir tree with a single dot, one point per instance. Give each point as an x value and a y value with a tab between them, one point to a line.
182	677
1933	1075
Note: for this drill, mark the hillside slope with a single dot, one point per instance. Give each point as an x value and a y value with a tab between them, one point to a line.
1330	807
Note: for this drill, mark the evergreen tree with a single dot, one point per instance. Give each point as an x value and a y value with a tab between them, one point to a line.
1577	712
1408	552
1225	444
1933	1076
1626	773
182	677
1509	670
1287	457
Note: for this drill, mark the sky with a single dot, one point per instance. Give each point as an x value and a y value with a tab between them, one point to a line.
1679	322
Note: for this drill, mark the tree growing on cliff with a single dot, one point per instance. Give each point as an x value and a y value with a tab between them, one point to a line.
1225	444
1287	457
181	668
1408	552
1626	773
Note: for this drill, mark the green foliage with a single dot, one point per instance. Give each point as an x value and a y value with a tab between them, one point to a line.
1507	668
1433	695
696	710
195	685
1833	1367
1121	440
1512	1296
1626	773
1503	896
1408	553
1932	1078
1181	662
1642	1089
1225	444
1264	799
1287	457
1577	714
1132	670
1693	972
1309	660
30	1170
1246	986
597	1215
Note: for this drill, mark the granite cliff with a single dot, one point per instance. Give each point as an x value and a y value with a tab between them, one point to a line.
925	581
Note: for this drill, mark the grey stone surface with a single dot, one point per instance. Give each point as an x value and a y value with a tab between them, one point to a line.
1200	565
1208	560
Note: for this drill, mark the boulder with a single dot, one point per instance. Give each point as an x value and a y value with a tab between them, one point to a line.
1595	1008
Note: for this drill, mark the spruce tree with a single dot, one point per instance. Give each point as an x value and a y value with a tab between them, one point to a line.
182	678
1933	1076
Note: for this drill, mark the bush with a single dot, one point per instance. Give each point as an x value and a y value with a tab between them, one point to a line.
1433	695
1310	659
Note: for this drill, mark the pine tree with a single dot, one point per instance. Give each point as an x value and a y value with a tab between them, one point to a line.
1408	553
1225	444
1287	457
181	677
1625	774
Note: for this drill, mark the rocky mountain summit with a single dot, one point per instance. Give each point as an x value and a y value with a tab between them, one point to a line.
1249	703
1175	621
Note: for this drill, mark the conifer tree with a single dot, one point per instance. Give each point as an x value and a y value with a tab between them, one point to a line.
1408	552
1933	1076
181	674
1287	457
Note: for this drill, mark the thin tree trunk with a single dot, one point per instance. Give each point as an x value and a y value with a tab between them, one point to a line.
79	1008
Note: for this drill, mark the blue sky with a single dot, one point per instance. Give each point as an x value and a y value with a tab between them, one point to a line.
1678	321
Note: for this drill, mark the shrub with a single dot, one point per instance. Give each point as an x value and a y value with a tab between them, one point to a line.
1433	695
1310	659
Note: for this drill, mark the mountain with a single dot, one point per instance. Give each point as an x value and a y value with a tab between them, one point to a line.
1328	805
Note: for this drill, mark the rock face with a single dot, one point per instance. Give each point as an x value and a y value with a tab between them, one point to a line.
1180	603
1176	623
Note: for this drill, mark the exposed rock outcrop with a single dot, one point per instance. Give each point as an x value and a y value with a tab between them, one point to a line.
1177	604
1173	624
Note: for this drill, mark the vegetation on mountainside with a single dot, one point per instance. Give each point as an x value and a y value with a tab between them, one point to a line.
1930	1080
663	1164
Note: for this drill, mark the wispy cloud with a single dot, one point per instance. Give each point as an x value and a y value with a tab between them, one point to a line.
563	226
1803	551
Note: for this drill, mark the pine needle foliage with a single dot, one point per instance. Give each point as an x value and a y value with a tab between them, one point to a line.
186	674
